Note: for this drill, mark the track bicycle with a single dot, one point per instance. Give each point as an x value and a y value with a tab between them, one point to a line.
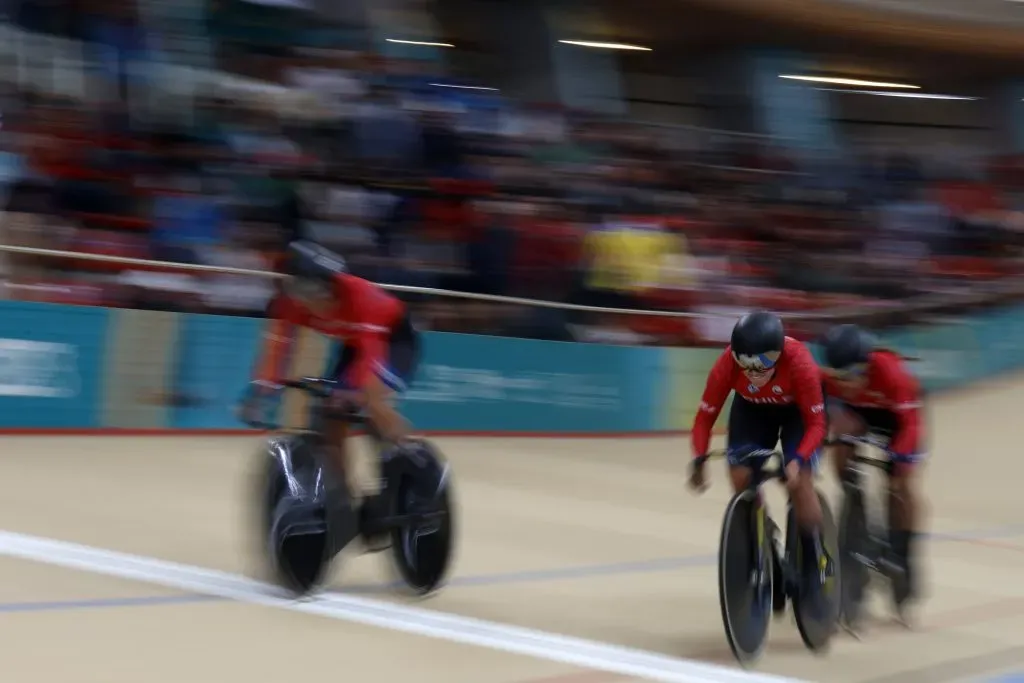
757	575
864	547
298	482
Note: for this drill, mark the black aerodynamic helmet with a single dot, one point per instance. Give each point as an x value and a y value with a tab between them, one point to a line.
313	269
847	346
757	340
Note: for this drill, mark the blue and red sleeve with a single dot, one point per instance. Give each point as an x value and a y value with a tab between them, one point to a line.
372	354
373	313
368	303
719	383
283	319
806	381
896	383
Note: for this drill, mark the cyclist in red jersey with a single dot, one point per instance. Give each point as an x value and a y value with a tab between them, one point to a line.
778	397
379	351
871	390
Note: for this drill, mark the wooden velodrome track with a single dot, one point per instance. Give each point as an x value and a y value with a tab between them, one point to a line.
123	559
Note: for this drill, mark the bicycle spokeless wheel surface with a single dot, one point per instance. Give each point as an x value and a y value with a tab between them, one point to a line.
744	583
422	551
854	548
816	620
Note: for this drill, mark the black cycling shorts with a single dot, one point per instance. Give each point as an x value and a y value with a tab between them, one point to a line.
757	426
398	367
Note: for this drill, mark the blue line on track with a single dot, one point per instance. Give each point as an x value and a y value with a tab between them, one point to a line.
483	580
67	605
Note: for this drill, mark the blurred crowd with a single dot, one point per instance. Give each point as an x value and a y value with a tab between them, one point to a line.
422	184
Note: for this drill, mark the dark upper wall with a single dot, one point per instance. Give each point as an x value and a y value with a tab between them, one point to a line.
869	19
984	12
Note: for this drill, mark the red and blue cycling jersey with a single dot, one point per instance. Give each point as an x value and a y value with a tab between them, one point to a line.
362	316
890	387
795	382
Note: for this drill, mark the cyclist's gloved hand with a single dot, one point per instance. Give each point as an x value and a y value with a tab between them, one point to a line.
792	473
252	408
698	482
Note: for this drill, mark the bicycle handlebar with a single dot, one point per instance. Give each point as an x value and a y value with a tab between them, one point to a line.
754	453
317	387
767	453
853	440
866	440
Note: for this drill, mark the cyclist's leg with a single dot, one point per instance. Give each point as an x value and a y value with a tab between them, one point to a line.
905	506
905	494
392	376
394	363
751	427
902	492
843	420
404	352
396	371
337	431
905	517
803	495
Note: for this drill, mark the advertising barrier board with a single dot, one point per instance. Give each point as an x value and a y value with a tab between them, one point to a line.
55	372
213	364
495	384
51	366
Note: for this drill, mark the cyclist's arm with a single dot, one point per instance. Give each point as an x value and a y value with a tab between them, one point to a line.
278	343
807	388
366	373
375	310
906	404
716	390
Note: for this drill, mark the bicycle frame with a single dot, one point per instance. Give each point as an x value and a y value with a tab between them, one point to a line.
319	414
759	475
876	542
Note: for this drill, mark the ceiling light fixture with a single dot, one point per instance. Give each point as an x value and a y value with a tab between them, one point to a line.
908	95
461	87
849	81
606	46
424	43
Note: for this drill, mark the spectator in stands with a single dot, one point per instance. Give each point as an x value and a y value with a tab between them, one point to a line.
374	161
238	294
911	228
548	251
444	154
626	253
187	218
29	222
385	134
327	75
118	40
490	254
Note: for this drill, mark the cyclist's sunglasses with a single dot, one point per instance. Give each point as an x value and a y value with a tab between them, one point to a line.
849	372
759	364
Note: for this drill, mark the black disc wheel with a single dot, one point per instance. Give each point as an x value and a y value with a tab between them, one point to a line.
854	550
816	604
745	577
423	549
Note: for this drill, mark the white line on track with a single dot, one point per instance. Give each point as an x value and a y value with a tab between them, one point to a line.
370	612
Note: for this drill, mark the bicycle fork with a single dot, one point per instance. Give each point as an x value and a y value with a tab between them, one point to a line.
764	562
878	555
759	574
